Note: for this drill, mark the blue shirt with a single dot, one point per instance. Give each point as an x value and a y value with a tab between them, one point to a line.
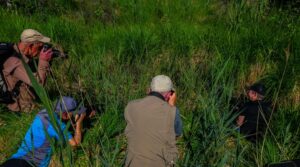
178	123
35	147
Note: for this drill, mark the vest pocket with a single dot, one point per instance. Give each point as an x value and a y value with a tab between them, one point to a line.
170	156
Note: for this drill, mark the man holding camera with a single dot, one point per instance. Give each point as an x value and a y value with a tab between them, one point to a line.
153	123
14	73
36	148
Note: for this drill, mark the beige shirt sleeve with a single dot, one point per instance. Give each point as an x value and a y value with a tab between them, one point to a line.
14	67
14	71
11	64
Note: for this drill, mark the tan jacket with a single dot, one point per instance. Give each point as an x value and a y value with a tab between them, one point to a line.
14	71
150	133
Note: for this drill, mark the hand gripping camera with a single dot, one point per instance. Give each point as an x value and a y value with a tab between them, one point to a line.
56	52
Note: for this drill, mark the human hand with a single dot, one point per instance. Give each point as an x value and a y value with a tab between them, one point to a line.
80	118
92	114
46	54
172	99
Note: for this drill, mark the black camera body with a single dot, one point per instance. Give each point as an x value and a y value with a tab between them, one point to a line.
47	46
55	52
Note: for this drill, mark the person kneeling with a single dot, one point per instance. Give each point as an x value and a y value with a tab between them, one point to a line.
153	123
35	149
254	115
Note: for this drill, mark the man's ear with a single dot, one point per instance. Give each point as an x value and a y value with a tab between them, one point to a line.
29	48
30	45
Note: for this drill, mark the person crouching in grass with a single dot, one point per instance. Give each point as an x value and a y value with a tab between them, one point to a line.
254	116
35	149
153	123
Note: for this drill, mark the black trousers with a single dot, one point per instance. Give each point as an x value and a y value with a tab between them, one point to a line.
289	163
16	163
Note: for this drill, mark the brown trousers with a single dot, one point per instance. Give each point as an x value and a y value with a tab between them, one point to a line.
24	101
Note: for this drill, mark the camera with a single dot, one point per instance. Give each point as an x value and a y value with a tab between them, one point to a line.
55	52
47	46
89	120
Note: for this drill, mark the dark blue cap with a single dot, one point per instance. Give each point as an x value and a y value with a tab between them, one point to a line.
259	88
68	104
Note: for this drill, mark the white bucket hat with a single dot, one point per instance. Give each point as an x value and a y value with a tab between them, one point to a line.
161	83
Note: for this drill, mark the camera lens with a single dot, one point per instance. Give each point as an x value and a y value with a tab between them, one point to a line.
47	46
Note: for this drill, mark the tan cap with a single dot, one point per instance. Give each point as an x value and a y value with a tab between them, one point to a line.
31	35
161	83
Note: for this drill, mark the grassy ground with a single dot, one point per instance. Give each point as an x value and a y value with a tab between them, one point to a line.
211	49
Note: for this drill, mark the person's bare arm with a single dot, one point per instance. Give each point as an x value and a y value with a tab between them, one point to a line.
76	140
240	120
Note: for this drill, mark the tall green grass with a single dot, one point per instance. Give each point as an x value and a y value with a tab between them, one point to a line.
211	50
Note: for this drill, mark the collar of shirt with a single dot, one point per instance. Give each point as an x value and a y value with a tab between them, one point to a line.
156	94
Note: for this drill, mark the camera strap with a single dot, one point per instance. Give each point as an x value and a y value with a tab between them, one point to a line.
156	94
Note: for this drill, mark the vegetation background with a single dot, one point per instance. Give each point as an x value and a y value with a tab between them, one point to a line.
211	49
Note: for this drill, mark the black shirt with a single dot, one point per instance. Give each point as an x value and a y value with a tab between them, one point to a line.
257	115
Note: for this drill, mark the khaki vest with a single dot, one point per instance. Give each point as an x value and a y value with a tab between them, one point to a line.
150	133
